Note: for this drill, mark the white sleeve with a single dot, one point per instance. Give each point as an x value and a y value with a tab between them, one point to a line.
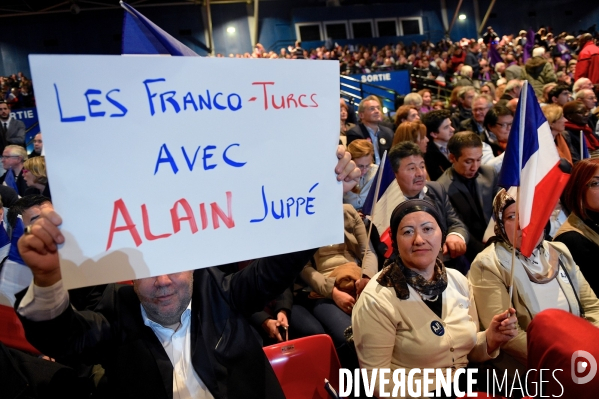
44	303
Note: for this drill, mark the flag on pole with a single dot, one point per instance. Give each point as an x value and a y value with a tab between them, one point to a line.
142	36
389	196
527	48
531	161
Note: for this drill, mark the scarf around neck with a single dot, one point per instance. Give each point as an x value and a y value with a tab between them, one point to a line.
398	276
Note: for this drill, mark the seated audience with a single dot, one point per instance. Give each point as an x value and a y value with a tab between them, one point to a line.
413	99
577	118
13	157
371	114
206	310
337	274
34	173
38	146
362	154
406	113
344	124
427	100
414	132
498	122
589	99
555	117
559	95
470	187
417	313
548	279
439	131
410	173
466	96
580	232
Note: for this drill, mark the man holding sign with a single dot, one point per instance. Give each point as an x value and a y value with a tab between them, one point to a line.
199	343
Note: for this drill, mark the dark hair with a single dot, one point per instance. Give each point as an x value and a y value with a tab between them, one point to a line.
494	113
462	140
433	119
22	204
556	91
403	150
573	107
575	192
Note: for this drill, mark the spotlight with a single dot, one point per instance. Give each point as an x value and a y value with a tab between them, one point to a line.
231	30
462	17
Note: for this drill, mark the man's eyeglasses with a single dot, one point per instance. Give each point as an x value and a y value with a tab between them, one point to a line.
363	167
9	156
504	125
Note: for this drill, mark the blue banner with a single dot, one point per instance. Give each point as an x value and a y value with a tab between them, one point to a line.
399	81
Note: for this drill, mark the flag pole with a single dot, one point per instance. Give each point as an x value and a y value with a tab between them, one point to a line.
581	145
521	127
376	196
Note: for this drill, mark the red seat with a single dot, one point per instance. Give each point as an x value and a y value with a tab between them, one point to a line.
301	366
11	331
482	395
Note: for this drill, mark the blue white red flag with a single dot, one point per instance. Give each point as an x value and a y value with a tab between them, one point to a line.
142	36
10	181
531	161
389	196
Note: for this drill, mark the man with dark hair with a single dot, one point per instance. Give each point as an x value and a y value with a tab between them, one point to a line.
470	187
410	173
371	115
559	95
13	130
498	123
179	335
439	131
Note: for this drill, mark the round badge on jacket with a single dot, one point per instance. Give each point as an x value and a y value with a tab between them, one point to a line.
382	141
437	328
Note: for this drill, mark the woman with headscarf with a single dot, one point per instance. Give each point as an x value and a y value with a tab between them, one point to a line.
548	279
416	313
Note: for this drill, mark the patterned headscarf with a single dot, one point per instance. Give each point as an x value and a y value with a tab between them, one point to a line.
502	200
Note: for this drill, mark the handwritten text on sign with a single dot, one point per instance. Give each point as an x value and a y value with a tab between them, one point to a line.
164	164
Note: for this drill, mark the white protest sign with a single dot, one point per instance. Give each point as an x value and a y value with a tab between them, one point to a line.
164	164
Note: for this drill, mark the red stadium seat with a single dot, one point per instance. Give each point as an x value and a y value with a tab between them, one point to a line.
482	395
301	366
11	331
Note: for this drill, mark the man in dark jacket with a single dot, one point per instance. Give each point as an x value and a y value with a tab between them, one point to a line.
472	57
178	335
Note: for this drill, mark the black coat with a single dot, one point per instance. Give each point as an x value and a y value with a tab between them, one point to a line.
225	351
359	131
468	208
436	162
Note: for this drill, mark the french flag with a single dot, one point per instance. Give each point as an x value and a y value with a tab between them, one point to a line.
531	162
142	36
381	208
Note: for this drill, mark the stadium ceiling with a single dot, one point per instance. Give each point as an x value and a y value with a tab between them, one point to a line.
21	8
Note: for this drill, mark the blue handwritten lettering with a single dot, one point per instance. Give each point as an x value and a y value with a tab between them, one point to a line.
278	212
117	104
80	118
150	94
167	158
91	103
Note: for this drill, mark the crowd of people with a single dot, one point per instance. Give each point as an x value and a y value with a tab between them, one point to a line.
429	292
